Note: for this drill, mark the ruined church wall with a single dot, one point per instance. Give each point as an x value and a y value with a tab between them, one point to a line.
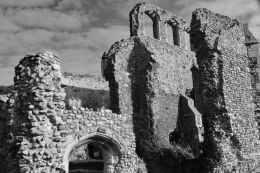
231	135
146	77
52	113
162	69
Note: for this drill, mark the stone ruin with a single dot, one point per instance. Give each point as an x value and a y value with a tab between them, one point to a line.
141	116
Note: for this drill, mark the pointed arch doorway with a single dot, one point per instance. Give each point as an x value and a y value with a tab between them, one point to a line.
96	154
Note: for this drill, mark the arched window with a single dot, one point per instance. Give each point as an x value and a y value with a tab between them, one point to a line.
173	35
169	32
151	25
148	26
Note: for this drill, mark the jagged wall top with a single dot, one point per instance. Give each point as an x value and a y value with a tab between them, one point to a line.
222	32
220	21
48	56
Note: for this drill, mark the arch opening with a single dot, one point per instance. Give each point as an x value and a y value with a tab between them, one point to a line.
95	154
151	24
172	33
148	26
169	33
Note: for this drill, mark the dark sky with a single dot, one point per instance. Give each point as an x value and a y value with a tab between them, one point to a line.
79	31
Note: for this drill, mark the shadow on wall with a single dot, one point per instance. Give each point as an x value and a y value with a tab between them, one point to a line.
87	98
155	114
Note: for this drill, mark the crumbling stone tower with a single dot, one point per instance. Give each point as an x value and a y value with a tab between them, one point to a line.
39	112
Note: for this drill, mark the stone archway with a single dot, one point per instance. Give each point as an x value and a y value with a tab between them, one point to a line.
96	152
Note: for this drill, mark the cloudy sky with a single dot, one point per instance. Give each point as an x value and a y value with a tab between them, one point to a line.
79	31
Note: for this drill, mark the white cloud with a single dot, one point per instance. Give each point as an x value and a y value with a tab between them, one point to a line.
24	42
231	8
34	37
72	4
105	37
254	25
7	25
96	41
50	19
27	3
255	20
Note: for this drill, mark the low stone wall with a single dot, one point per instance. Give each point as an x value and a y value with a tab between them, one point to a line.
91	81
89	91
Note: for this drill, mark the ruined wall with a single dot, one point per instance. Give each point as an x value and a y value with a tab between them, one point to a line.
146	77
88	91
157	87
45	132
224	91
50	115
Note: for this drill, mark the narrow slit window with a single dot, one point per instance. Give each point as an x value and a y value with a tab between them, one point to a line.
176	36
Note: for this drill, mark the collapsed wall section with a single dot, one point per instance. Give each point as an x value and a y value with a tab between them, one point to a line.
224	93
